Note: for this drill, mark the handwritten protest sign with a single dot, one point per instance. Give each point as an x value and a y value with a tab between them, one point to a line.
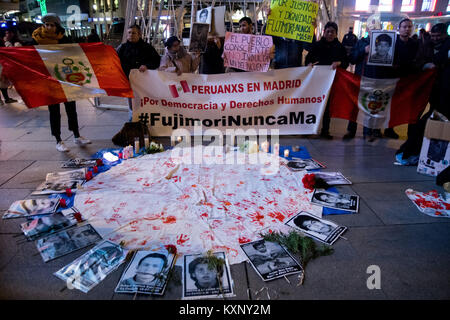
247	52
292	19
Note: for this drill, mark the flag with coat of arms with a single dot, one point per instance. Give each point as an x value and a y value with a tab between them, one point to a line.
50	74
380	103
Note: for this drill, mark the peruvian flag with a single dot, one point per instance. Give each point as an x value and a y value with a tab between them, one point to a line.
50	74
380	103
174	89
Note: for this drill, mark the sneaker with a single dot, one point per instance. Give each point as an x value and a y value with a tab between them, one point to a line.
81	141
390	133
411	161
61	147
10	100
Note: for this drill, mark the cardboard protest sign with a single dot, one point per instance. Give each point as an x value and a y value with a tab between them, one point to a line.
292	19
247	52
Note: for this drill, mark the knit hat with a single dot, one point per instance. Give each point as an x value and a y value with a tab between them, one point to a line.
51	17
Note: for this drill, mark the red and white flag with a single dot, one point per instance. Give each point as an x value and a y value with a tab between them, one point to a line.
56	73
380	103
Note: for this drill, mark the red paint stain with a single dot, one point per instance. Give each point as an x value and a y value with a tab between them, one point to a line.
244	240
181	239
277	215
169	220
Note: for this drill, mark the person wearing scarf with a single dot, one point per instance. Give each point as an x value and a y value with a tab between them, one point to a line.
176	59
53	33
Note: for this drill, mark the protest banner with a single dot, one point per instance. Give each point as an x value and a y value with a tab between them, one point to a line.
291	100
247	51
292	19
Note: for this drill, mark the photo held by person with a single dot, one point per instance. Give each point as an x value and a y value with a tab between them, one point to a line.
327	51
52	33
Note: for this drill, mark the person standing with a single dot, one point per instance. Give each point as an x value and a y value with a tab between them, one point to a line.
176	59
211	60
349	40
135	53
328	51
409	152
93	36
53	33
10	40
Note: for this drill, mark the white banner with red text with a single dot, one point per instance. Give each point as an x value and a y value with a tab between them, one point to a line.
290	100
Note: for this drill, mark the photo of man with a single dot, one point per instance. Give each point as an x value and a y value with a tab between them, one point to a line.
333	178
304	164
92	267
32	207
147	273
66	241
382	48
203	16
46	225
199	37
320	229
270	260
202	280
335	200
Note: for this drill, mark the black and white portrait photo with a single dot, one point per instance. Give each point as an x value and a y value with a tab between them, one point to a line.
78	174
91	268
322	230
32	207
270	260
304	164
45	225
382	46
334	200
199	37
79	163
146	273
66	241
201	280
332	178
204	15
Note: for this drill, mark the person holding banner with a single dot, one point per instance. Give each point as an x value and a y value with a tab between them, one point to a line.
52	33
136	54
328	51
176	59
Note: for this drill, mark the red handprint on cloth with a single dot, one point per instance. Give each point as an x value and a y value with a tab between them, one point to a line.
181	239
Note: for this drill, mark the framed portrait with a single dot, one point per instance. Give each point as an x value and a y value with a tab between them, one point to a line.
47	224
270	260
199	37
91	268
147	272
335	200
79	163
304	164
66	241
382	48
204	15
320	229
78	174
333	178
32	207
200	281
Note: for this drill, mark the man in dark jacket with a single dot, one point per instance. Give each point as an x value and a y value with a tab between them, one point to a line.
137	54
328	51
349	40
409	152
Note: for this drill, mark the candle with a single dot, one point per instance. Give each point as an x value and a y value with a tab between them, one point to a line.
146	142
136	145
286	153
296	148
179	139
265	146
276	149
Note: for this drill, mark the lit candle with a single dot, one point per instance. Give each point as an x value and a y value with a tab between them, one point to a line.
136	145
286	153
179	139
276	149
146	141
265	146
296	148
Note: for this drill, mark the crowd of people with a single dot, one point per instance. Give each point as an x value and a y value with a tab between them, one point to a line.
412	54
